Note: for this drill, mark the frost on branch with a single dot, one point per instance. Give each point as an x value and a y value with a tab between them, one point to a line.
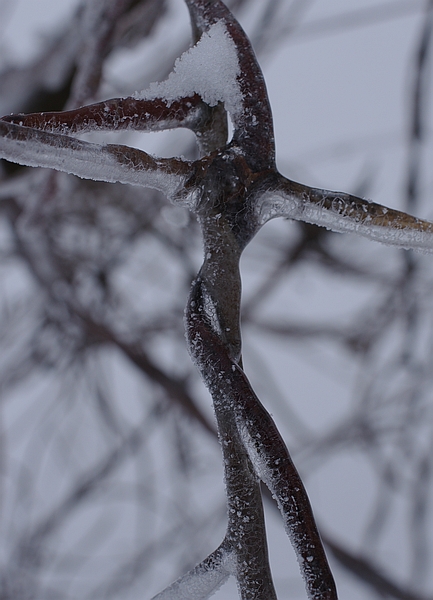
235	400
344	213
119	114
233	189
202	581
111	163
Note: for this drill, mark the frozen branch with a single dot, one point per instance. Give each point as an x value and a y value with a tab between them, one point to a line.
344	213
204	580
233	189
121	114
111	163
251	114
233	395
246	533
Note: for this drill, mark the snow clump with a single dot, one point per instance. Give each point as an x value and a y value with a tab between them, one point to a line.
209	69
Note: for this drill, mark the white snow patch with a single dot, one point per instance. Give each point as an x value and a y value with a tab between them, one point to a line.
209	69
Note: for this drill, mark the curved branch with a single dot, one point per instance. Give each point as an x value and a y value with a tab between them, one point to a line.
111	163
344	213
237	405
246	532
275	468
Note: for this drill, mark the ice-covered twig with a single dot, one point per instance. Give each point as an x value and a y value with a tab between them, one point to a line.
275	468
111	163
233	397
204	580
344	213
122	113
246	533
233	189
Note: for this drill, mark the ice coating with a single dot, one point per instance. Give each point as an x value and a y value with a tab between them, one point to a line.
342	213
194	586
108	163
202	581
412	236
209	69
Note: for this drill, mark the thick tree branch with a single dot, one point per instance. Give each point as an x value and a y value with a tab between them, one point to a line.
233	189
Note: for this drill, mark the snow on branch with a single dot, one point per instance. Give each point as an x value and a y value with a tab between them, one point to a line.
252	116
192	73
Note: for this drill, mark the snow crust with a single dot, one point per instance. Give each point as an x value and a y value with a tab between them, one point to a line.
209	69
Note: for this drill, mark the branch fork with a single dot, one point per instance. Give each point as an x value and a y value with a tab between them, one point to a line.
234	188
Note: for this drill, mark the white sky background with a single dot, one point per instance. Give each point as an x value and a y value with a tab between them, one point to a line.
340	114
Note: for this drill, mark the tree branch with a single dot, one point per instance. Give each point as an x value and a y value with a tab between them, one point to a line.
119	114
111	163
344	213
204	580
